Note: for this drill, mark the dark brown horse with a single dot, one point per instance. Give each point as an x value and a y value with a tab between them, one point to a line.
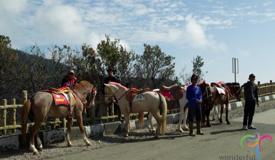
212	96
207	103
42	105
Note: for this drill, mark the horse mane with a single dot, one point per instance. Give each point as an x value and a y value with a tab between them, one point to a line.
83	85
118	85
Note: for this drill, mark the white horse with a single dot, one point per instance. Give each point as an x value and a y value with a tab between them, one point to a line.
149	101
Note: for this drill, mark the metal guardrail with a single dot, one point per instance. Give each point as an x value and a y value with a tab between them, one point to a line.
10	113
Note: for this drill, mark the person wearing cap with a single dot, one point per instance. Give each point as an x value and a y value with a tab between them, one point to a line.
251	99
194	97
69	80
111	78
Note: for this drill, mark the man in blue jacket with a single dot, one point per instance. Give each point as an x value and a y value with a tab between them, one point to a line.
194	97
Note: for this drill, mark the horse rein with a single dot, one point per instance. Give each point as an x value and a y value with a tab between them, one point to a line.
120	97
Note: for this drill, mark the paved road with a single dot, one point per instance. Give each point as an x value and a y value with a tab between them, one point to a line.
220	142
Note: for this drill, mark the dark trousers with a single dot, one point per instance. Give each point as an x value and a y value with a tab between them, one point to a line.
194	112
249	109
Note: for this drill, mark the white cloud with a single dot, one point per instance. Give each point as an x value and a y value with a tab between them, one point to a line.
58	23
13	6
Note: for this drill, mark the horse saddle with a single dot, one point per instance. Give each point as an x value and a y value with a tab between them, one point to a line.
220	86
172	92
130	95
62	96
221	90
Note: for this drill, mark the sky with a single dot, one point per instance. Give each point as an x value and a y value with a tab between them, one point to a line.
217	30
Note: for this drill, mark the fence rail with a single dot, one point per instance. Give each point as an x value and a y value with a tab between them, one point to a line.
10	117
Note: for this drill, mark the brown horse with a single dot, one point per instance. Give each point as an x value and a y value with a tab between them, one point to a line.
42	105
215	97
178	94
207	103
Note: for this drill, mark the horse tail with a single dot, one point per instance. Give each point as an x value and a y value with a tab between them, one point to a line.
141	119
24	119
163	112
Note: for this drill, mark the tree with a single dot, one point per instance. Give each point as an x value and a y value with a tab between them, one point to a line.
197	65
185	77
109	52
5	42
113	54
154	64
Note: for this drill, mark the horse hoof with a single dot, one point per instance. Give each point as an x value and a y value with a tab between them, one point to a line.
156	136
40	147
180	130
69	145
88	143
152	131
220	121
228	122
185	128
126	135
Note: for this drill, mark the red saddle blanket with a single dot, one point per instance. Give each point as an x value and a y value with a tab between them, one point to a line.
167	94
59	97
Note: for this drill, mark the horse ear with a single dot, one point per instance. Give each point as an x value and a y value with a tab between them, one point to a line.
106	84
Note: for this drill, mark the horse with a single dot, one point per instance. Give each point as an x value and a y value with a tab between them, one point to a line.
42	105
207	103
177	93
148	101
220	94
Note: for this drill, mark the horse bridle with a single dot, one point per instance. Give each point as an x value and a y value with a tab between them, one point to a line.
123	94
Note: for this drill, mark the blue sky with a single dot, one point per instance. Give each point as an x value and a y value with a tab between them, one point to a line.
217	30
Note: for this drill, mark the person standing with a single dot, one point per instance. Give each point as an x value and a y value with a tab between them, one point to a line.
194	97
251	99
111	78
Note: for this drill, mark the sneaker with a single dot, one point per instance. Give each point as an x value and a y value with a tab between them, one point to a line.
192	134
200	133
244	128
251	127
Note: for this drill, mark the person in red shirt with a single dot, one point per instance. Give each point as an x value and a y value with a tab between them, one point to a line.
69	80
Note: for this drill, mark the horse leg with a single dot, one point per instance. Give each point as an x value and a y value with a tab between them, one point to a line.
68	138
181	117
39	145
79	119
226	113
207	118
214	113
127	124
34	132
185	127
151	126
221	113
158	119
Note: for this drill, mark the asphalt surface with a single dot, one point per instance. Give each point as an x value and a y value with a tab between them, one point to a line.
220	142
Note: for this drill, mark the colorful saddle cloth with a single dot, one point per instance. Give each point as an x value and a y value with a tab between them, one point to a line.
60	96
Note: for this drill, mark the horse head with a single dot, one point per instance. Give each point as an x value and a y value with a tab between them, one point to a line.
86	92
111	90
206	91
